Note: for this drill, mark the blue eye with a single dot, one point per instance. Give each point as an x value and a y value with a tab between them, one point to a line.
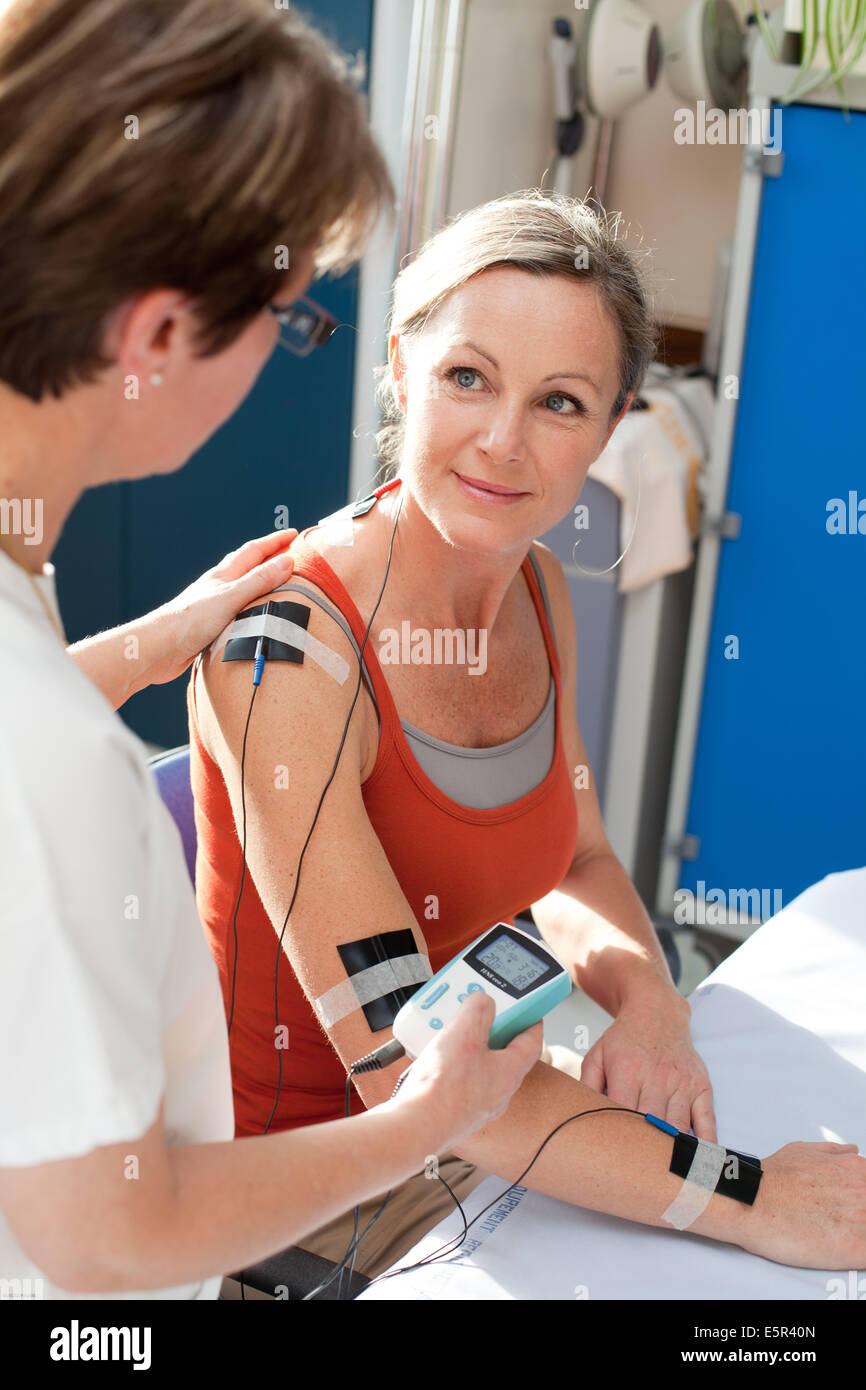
579	409
454	372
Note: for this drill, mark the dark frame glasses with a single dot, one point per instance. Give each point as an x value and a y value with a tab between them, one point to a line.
308	325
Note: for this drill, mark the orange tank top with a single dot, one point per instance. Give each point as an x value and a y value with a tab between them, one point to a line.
478	867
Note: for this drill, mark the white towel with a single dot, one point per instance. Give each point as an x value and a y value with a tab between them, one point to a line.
658	454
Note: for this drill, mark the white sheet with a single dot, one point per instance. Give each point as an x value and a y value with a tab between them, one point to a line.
781	1025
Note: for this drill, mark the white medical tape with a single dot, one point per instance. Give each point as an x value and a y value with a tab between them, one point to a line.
372	983
340	527
698	1186
283	630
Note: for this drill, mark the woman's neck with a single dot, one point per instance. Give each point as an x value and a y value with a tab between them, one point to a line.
40	477
438	584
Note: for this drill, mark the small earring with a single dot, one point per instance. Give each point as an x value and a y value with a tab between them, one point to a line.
156	379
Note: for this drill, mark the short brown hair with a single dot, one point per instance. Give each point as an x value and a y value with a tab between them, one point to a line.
544	233
251	135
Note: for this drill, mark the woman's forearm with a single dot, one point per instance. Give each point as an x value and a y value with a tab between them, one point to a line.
123	660
611	1163
233	1204
598	926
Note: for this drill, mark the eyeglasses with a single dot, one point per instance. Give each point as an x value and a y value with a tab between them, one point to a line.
304	325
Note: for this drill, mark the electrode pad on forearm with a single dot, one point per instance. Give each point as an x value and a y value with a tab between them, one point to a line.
706	1168
285	629
384	972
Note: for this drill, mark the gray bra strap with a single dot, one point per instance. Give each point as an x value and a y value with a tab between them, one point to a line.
544	595
341	621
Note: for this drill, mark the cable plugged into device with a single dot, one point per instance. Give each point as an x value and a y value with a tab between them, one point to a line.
381	1058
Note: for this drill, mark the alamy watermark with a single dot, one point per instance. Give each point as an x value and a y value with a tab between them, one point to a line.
443	646
22	516
710	907
754	125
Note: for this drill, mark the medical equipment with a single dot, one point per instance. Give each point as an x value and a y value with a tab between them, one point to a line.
619	57
705	54
278	632
706	1168
522	977
383	972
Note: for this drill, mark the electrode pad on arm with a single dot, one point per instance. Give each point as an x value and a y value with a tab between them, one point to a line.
285	628
706	1168
384	971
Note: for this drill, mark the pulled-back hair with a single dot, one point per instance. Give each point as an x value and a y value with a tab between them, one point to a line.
544	233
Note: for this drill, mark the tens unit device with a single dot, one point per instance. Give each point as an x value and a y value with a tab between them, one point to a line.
522	977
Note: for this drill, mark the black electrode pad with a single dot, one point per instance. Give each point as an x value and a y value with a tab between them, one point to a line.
745	1177
365	505
252	623
401	950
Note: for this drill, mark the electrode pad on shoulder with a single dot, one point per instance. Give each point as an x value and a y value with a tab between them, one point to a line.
285	628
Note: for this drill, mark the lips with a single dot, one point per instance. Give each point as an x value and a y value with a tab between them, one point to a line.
490	487
479	487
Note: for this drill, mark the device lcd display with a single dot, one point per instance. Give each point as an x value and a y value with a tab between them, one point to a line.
513	962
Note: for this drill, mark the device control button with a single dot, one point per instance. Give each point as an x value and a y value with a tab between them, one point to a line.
436	1023
461	997
436	994
474	988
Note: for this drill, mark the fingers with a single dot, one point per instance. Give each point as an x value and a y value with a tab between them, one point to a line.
525	1050
263	579
474	1019
592	1072
623	1086
254	553
703	1117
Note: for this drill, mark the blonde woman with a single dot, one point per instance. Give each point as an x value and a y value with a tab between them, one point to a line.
518	338
137	299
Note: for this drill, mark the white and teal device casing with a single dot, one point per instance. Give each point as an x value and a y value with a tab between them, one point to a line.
523	978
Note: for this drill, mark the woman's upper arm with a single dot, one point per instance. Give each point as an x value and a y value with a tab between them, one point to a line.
347	890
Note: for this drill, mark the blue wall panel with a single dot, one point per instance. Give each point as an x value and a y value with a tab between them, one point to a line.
779	790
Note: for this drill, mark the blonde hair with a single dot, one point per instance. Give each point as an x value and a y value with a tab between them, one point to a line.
251	136
544	233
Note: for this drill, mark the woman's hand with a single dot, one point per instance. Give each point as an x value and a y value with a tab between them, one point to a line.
646	1060
810	1210
190	622
458	1083
160	646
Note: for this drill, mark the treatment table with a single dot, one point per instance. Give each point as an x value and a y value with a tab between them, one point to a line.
781	1026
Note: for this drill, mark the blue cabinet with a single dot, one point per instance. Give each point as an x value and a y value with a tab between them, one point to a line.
778	796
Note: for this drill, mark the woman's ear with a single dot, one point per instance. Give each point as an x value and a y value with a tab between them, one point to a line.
626	407
398	370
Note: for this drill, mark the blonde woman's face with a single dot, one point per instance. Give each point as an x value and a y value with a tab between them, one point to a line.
507	395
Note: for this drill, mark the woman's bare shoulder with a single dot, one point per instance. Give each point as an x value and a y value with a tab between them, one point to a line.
311	689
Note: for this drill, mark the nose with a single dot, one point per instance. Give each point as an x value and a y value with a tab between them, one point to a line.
503	439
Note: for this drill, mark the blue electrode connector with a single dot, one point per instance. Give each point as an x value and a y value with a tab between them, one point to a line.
662	1124
261	652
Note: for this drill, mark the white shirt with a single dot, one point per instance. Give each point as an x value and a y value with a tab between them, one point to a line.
109	997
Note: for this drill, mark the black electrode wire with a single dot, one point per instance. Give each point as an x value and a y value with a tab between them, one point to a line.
356	1239
318	809
243	856
357	1209
303	852
400	1080
450	1247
